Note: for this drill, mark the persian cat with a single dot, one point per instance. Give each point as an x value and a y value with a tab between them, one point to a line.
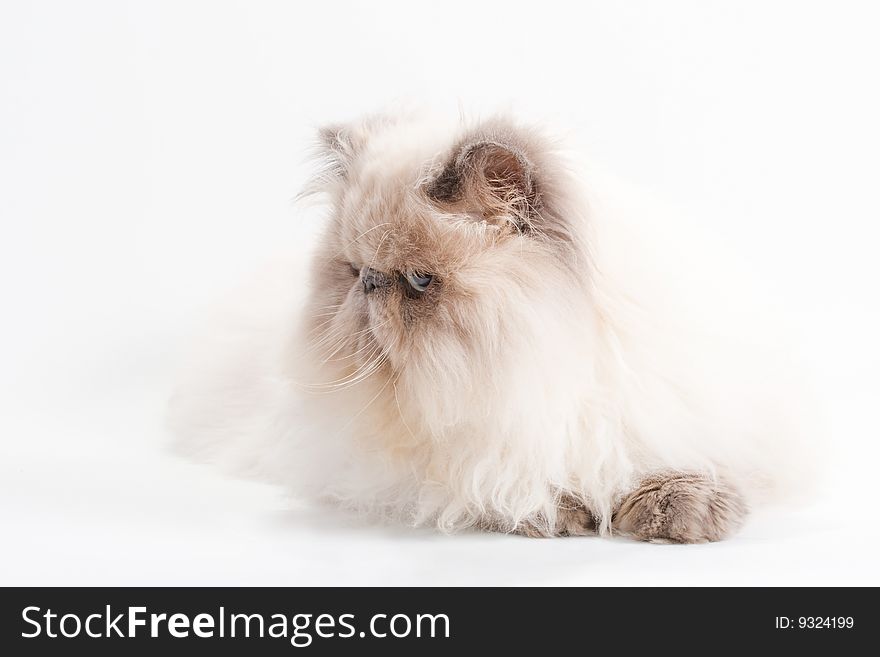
481	340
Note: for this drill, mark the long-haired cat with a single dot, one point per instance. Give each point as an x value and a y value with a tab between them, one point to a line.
482	345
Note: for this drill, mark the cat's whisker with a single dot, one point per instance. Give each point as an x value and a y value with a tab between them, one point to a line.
376	253
321	339
366	330
332	337
348	377
369	230
332	305
331	313
366	373
330	358
326	310
331	340
400	411
322	324
336	347
371	328
350	381
369	403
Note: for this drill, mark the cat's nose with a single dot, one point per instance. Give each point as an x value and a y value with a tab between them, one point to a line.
372	279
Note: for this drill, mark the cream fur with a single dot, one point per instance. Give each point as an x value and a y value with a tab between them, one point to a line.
576	358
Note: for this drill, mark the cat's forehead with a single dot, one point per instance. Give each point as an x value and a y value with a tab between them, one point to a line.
400	228
389	226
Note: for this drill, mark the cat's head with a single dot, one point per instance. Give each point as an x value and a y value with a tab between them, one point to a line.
450	254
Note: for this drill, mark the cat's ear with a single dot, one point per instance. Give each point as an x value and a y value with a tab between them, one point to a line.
334	153
492	176
338	148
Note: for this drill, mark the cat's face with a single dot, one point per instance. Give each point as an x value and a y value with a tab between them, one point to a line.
433	259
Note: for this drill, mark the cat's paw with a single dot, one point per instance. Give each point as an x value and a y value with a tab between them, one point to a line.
573	518
680	508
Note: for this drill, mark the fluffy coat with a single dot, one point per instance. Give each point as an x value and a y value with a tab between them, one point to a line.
550	370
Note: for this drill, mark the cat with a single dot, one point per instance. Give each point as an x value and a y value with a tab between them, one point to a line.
479	346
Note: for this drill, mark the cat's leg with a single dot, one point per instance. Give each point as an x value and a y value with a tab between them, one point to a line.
680	508
573	518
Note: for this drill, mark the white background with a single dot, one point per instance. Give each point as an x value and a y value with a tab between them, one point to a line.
148	156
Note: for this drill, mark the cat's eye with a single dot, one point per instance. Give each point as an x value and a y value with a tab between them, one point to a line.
418	282
355	269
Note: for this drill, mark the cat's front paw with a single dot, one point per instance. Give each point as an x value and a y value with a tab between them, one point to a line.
680	508
573	518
